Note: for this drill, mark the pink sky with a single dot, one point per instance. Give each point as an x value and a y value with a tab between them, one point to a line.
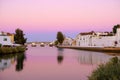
50	16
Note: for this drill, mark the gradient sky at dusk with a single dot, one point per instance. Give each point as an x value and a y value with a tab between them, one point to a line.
41	19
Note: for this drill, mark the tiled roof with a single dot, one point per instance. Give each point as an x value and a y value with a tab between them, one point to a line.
5	34
88	33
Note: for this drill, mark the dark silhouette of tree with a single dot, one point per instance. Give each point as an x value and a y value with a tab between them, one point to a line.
19	37
60	58
20	59
60	37
115	28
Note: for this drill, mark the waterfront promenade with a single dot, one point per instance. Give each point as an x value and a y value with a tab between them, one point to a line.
97	48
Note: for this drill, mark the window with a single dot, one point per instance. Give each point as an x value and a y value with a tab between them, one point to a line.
5	39
80	38
83	38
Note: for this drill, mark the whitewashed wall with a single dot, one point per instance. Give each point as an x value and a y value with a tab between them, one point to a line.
8	42
98	41
104	41
118	37
67	42
83	40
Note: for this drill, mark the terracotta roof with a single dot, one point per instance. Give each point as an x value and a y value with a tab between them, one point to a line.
88	33
6	34
9	34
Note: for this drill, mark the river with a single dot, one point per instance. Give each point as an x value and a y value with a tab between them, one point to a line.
51	63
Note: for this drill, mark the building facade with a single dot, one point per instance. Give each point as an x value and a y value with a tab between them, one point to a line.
6	39
67	41
98	39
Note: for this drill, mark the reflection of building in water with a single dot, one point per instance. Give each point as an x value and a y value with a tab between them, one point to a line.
19	59
85	59
5	63
93	58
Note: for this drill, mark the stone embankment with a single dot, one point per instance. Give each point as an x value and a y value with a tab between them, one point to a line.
97	49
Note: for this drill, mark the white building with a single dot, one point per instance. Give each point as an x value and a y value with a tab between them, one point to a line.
5	39
67	41
118	37
98	39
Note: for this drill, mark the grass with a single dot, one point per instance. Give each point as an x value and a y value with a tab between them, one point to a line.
8	50
108	71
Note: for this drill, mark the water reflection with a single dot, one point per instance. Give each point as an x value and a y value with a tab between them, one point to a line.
7	60
93	58
85	59
60	56
20	61
71	64
4	63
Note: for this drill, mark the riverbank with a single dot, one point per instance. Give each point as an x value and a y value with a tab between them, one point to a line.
10	50
96	49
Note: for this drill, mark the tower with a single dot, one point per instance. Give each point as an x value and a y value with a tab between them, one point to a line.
118	37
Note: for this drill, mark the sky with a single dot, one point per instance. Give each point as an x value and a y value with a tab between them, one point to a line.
42	19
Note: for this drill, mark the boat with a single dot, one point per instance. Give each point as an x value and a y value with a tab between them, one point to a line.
42	44
33	45
51	44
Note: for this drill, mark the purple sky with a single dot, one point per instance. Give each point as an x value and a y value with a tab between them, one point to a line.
41	19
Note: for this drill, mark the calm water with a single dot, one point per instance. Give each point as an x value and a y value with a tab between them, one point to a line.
50	63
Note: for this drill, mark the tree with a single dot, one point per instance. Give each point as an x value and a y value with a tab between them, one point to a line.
115	28
19	37
60	37
56	42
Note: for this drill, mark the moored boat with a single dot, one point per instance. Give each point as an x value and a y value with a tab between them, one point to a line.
33	45
42	44
51	44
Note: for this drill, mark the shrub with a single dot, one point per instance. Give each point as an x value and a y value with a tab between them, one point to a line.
20	49
108	71
15	50
7	50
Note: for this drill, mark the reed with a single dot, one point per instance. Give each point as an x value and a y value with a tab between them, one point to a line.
108	71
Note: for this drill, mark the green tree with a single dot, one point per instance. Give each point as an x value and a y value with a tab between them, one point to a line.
19	37
56	42
60	37
115	28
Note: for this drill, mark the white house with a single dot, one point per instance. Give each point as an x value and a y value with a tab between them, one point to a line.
5	39
67	41
84	39
98	39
